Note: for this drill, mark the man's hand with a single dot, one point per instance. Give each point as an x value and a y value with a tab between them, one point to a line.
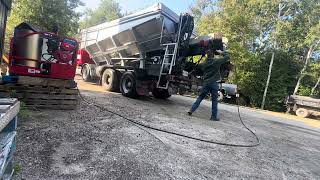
220	52
223	53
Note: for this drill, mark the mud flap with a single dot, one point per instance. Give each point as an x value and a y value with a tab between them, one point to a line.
142	88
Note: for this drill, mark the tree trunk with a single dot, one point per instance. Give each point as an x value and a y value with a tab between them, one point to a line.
306	63
268	81
315	86
275	45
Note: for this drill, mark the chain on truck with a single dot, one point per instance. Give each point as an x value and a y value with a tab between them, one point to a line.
148	51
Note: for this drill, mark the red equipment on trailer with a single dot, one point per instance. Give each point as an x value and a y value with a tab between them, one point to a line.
42	67
42	54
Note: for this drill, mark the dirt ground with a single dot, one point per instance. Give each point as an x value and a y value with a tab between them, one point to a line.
89	143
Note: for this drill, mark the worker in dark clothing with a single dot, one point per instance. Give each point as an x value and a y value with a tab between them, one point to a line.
211	69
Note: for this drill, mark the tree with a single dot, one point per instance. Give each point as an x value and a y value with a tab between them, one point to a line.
45	14
306	64
200	7
307	23
257	31
278	22
108	10
315	86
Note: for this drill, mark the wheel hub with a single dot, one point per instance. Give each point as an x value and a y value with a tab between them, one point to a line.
127	85
107	80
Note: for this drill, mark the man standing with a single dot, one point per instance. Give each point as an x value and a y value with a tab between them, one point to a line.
211	69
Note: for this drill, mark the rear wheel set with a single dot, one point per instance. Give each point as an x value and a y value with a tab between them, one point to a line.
128	87
127	84
113	80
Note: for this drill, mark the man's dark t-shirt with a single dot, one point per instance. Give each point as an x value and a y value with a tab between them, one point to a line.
211	68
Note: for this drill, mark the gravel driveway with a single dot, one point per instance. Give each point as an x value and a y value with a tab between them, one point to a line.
90	143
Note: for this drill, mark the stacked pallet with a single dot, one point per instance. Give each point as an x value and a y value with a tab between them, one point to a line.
9	109
42	93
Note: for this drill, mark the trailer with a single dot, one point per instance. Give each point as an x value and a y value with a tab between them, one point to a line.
303	106
148	51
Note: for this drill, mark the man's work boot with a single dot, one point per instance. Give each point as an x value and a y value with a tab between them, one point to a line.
214	119
190	112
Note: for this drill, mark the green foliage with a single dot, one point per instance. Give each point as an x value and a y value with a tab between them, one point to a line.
305	90
45	14
201	6
107	10
310	81
283	80
255	29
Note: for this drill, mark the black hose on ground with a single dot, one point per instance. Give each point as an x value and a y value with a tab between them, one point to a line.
181	135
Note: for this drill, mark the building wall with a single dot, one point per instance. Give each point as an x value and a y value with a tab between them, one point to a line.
5	6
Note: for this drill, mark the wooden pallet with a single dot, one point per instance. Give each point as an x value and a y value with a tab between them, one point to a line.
47	95
39	81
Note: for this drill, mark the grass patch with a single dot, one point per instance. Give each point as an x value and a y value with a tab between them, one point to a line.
24	111
17	169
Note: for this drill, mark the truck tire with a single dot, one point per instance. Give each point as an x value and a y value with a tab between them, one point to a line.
85	73
302	112
128	85
109	80
160	93
288	111
181	92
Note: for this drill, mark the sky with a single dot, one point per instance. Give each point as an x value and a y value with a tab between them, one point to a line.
178	6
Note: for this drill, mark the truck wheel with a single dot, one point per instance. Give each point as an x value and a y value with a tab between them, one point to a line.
301	112
181	92
288	111
85	73
119	75
109	80
128	85
160	93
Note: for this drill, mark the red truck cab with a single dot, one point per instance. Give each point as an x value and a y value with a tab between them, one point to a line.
87	65
83	58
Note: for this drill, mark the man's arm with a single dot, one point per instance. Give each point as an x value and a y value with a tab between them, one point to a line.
225	57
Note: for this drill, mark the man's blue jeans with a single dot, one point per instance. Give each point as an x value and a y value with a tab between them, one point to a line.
208	88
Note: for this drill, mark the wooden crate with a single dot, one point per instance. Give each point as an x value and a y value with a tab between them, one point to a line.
9	109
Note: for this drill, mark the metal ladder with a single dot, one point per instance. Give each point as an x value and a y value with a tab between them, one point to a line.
169	60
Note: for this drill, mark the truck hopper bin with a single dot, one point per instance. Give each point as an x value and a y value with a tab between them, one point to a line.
132	36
